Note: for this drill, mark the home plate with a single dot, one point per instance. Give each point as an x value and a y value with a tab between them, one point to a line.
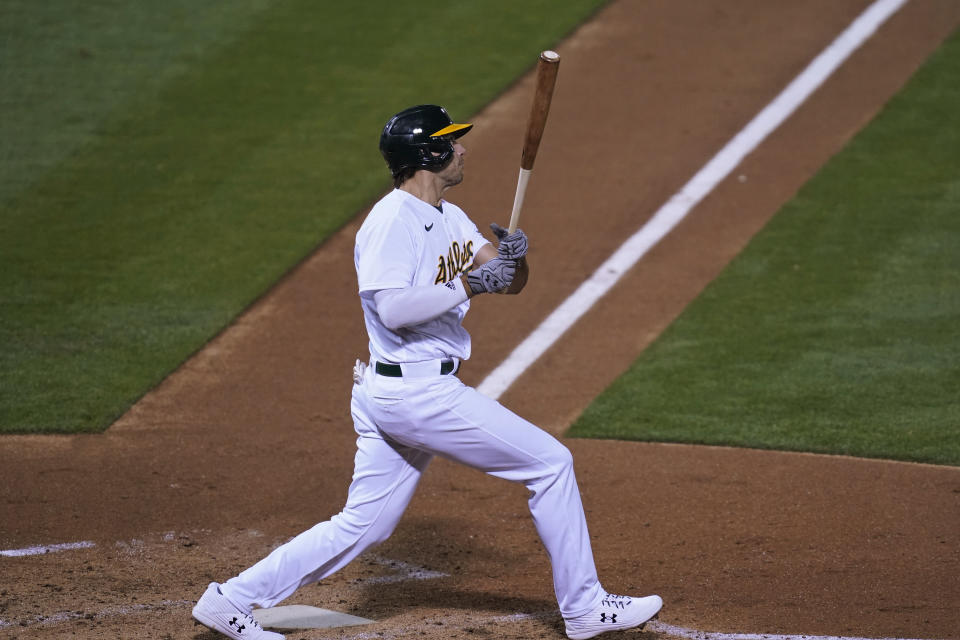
300	616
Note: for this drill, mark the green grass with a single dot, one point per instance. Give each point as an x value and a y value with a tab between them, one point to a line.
163	166
838	329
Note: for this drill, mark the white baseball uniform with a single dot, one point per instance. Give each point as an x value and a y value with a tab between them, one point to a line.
411	412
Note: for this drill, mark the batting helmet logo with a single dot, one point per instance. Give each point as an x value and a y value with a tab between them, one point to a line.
419	137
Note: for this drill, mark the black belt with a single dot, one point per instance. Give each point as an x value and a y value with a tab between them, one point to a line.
394	370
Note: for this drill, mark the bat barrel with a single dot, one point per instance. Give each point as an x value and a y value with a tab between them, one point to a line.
547	67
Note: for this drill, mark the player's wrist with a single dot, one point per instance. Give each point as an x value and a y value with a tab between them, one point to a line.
466	286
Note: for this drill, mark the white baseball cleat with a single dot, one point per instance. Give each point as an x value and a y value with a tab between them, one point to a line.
214	611
614	613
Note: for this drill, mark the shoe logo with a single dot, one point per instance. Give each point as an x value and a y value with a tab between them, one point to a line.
240	627
428	227
611	618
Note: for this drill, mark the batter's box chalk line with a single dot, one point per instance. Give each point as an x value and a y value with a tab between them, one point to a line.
48	548
694	634
109	612
655	626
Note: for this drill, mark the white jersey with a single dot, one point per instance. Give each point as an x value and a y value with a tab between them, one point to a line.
406	242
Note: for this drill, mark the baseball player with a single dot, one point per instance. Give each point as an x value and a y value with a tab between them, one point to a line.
419	261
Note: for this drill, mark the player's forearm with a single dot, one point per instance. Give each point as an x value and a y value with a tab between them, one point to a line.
408	307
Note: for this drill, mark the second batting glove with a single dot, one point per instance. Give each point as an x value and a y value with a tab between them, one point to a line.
512	246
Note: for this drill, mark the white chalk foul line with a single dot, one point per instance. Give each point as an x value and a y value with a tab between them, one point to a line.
48	548
680	204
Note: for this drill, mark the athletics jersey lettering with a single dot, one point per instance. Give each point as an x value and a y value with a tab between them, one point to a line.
456	261
394	250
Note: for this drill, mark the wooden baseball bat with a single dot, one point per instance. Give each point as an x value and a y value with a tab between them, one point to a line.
547	67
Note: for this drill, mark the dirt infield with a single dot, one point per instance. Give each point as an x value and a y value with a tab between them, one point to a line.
250	442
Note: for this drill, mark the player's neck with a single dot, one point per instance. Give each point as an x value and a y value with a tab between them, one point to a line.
425	186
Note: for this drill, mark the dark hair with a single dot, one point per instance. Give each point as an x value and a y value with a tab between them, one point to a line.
403	175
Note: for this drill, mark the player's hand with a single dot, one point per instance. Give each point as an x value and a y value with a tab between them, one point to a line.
512	246
358	370
493	276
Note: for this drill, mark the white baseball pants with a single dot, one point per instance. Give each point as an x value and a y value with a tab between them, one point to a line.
402	423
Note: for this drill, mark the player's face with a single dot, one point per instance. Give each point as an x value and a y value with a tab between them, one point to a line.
453	173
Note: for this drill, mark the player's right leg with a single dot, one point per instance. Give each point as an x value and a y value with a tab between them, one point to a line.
385	477
462	424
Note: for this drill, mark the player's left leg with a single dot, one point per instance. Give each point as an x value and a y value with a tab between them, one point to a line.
385	476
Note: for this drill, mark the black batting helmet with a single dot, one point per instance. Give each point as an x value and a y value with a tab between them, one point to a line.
412	136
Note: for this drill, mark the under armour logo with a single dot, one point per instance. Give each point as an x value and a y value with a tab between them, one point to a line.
611	618
428	227
240	627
